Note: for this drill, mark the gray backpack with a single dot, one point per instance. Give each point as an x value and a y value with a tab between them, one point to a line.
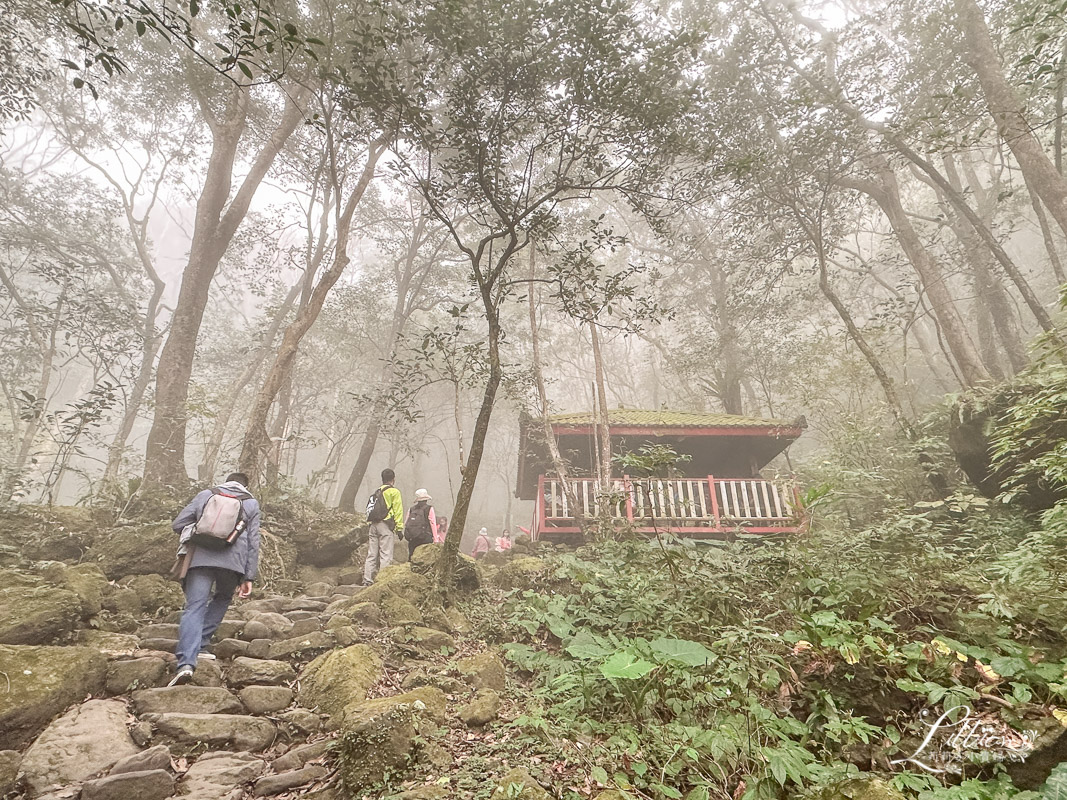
222	521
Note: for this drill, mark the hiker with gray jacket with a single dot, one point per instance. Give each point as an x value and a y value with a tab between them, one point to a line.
219	552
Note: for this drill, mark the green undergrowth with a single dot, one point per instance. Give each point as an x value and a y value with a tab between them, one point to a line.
680	670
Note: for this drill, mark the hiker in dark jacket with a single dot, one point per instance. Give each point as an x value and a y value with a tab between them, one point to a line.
212	575
421	525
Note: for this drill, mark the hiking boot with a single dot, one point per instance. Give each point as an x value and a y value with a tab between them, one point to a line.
183	676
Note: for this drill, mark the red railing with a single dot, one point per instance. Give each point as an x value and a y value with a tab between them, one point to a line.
698	507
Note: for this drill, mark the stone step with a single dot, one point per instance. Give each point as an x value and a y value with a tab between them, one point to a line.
160	630
263	672
186	700
235	731
155	784
276	784
266	699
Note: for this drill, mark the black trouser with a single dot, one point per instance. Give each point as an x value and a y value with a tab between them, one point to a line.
413	543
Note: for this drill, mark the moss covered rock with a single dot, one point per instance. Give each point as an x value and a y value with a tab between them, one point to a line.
366	614
87	581
398	611
482	671
425	560
329	539
378	737
9	770
339	678
425	640
45	533
35	612
156	594
521	573
145	549
519	785
483	709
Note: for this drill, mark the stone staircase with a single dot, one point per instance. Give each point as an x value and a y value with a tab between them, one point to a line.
328	695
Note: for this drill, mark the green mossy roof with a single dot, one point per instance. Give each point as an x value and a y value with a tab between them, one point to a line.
669	419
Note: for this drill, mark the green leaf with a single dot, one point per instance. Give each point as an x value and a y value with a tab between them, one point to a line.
692	654
586	646
600	775
626	665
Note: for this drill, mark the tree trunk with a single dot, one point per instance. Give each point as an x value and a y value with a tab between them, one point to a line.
558	464
603	426
487	286
956	198
1007	111
257	440
215	224
886	193
209	464
1047	238
933	474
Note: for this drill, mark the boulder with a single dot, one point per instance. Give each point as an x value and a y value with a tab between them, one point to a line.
252	671
425	640
276	784
87	581
418	677
157	757
156	594
220	776
145	549
86	740
519	785
457	620
236	731
339	678
45	533
9	770
43	682
366	614
483	709
266	699
425	560
377	739
154	784
397	579
137	673
398	611
33	612
185	700
521	573
330	539
482	671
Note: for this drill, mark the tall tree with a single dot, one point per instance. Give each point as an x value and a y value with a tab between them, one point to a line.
227	109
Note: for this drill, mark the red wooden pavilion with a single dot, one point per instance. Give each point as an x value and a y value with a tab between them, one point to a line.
718	493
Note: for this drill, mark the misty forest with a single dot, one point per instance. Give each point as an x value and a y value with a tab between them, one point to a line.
722	345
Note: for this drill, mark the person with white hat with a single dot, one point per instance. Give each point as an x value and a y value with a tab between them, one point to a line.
421	525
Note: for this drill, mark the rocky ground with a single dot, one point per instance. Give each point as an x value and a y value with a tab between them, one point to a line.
323	690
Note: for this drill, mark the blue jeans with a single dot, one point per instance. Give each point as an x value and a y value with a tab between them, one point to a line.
203	610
